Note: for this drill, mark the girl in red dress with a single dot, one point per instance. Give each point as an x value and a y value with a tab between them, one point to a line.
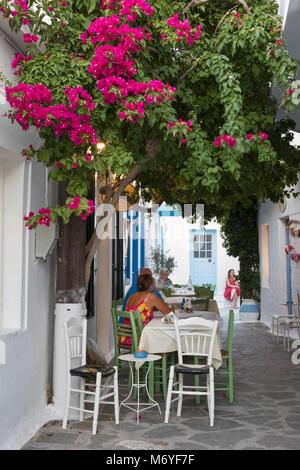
232	290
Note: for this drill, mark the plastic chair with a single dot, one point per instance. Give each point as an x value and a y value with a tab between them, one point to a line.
198	342
227	355
75	341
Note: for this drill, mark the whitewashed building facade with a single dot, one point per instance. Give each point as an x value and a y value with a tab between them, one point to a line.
26	283
280	274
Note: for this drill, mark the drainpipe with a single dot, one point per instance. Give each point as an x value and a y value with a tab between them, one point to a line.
288	272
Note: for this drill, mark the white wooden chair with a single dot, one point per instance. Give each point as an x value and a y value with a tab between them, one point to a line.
287	322
75	331
197	340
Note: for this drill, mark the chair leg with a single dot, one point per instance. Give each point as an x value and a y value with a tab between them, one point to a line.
197	381
211	397
117	354
164	375
116	396
151	382
81	406
96	404
173	361
179	405
65	420
169	394
157	377
230	379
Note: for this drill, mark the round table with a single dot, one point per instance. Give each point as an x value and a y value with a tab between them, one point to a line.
136	406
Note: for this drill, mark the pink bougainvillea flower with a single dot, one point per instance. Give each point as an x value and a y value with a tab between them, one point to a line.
227	139
30	38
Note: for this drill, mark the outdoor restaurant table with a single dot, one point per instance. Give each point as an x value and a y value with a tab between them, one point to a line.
138	407
212	305
159	337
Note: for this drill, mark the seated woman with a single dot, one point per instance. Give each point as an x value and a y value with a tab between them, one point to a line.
232	290
133	289
164	280
144	301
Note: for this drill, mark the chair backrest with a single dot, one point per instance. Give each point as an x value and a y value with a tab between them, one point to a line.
195	337
230	331
201	303
116	303
132	330
120	329
137	327
75	331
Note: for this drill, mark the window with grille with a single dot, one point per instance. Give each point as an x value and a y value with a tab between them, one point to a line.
202	246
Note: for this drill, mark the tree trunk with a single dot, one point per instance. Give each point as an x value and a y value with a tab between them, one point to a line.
70	278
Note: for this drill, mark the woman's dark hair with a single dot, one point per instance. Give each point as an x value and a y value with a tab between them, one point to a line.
144	282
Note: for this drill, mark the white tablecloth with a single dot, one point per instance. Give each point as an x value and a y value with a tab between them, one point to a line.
157	337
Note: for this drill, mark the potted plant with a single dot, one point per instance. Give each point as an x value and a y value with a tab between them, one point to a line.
158	260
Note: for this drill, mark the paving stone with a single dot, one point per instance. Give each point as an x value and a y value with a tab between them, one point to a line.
280	442
195	424
265	413
189	446
57	438
165	431
222	440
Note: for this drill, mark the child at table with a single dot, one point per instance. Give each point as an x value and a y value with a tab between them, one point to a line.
144	301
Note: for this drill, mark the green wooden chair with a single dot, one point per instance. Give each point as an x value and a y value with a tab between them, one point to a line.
227	356
160	375
127	330
120	329
202	303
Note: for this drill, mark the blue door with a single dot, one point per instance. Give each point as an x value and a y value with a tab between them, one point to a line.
203	252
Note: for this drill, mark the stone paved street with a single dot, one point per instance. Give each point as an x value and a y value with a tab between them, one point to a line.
265	414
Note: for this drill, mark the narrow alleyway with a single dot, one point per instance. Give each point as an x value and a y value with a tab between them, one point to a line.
265	414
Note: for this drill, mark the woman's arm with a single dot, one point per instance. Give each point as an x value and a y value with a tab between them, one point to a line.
160	304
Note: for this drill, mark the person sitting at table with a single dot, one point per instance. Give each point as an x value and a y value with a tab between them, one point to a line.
145	300
133	289
232	290
164	280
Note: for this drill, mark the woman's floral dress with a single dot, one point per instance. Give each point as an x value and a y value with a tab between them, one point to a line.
146	314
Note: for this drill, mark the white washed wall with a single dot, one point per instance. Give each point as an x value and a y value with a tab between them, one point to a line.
26	331
276	293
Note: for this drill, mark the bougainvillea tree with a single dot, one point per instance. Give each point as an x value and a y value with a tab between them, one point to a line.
179	92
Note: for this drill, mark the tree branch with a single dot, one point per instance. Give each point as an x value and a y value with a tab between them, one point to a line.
245	6
112	197
218	25
201	2
194	3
